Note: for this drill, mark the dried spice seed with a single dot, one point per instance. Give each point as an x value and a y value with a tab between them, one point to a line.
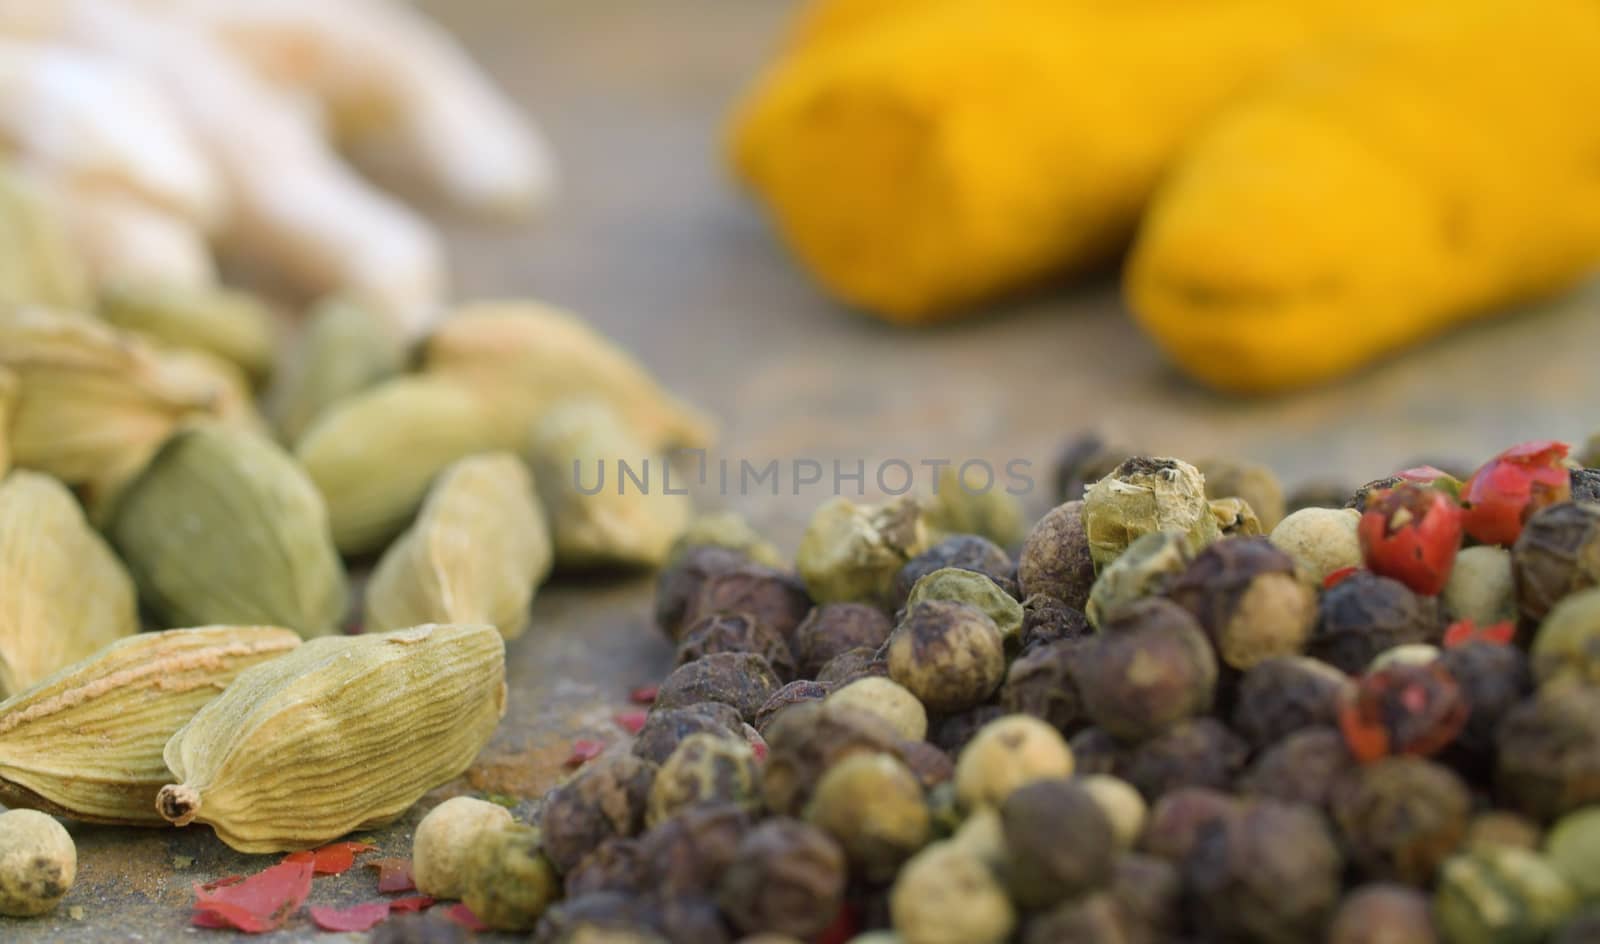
679	583
846	667
772	598
1144	495
1321	540
1246	595
1493	678
1246	888
1508	489
1255	484
795	693
1557	554
665	728
1200	753
888	700
1286	694
1498	893
605	799
1411	532
1149	669
616	865
1403	709
1180	817
1383	913
1147	568
873	806
1366	614
953	732
1481	588
973	589
1058	843
705	769
736	632
1046	619
507	880
833	629
688	854
38	863
1055	558
1567	647
787	878
1547	762
1401	817
851	553
1007	754
1302	768
1083	461
807	740
1041	682
950	655
963	552
743	680
948	894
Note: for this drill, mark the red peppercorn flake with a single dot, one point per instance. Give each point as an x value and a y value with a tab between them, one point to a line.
462	915
1463	632
359	918
1404	709
412	904
1508	489
644	694
335	859
631	721
260	903
394	875
760	750
1339	576
583	751
1411	533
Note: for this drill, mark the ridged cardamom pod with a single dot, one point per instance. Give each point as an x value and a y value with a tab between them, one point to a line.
374	455
38	265
223	528
231	325
95	402
86	743
63	594
344	733
525	357
10	389
476	553
344	349
609	500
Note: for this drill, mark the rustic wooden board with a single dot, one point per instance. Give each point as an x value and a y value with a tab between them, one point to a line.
652	242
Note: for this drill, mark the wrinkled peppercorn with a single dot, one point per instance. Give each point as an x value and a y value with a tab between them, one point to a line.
1058	843
1557	554
1548	758
1197	753
787	878
852	552
776	599
1180	816
961	551
1246	596
1286	694
1146	568
743	680
1401	817
806	740
953	732
833	629
1055	557
1255	484
931	765
1083	461
874	807
1269	874
605	799
1006	754
616	865
1403	709
705	769
1046	619
1364	615
1040	683
1383	913
1147	494
1493	679
1301	768
1149	669
795	693
1586	486
665	729
680	581
950	655
736	632
688	853
973	589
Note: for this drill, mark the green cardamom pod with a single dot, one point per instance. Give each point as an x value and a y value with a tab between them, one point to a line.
227	324
344	349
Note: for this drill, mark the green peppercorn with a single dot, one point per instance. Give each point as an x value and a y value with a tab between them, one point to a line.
736	632
873	806
1301	768
705	768
962	551
665	728
1567	647
835	628
1201	752
775	599
787	878
1006	754
1247	596
1480	587
743	680
1501	895
1285	694
607	798
974	589
1179	817
946	895
1321	540
949	654
1143	495
795	693
1383	914
1364	615
1556	555
1401	817
1548	762
1149	669
805	740
852	552
508	881
1269	874
1058	843
1573	847
1055	558
1146	568
679	583
1255	484
1041	683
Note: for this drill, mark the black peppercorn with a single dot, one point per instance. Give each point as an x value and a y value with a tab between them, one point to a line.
963	552
787	878
1286	694
1095	751
1055	557
950	655
1046	619
1363	615
689	853
1180	816
1058	842
1084	460
1244	593
795	693
680	581
606	799
1197	753
952	732
1269	874
1548	758
1149	669
705	769
665	728
931	765
1040	683
1557	554
616	865
1383	914
741	679
849	666
736	632
807	739
776	599
1401	817
1301	768
1493	679
833	629
1586	486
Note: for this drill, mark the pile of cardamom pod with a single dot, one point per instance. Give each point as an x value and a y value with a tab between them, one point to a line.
183	485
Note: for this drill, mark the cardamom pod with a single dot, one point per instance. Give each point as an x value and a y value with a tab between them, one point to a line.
344	733
38	265
10	389
476	553
374	455
95	403
86	742
344	349
63	594
231	325
524	357
222	527
632	513
234	402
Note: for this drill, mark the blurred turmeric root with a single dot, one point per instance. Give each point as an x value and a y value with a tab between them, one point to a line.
924	156
1379	192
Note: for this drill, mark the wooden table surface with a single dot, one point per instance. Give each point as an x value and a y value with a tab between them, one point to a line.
652	242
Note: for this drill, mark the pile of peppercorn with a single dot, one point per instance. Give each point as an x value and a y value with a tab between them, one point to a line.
1178	714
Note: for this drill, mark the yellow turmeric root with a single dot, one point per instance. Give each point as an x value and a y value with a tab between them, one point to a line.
1378	193
921	157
